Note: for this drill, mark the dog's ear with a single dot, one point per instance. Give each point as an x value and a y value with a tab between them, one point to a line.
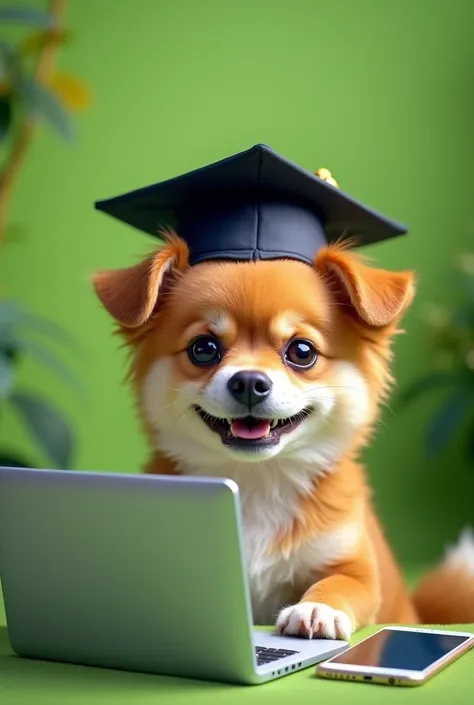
376	297
130	295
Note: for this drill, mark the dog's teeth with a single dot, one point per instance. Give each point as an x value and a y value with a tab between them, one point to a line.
229	421
273	423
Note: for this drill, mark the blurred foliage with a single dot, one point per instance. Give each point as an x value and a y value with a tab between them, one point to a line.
23	333
451	337
31	91
21	91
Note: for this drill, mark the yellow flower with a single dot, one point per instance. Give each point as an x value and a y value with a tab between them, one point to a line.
71	91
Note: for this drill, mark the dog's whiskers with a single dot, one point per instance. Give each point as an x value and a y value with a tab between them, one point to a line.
167	406
186	411
169	389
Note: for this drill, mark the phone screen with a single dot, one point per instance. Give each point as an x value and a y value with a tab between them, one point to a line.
393	648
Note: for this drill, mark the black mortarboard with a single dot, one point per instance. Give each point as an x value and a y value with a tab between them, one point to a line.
253	205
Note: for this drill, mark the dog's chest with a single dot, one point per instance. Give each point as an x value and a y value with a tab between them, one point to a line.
272	576
276	578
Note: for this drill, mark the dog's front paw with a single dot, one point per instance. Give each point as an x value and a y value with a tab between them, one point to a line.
314	619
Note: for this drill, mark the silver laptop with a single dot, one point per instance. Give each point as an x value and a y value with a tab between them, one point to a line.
136	572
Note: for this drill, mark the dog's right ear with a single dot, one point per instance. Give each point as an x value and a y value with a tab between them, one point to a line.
130	295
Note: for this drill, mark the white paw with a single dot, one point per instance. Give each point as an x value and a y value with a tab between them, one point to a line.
314	619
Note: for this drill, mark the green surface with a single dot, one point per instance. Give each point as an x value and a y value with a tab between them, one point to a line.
381	93
25	682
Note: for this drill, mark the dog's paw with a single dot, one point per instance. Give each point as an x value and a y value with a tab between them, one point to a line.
314	620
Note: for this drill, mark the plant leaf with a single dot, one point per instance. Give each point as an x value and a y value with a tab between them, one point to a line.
47	426
7	54
50	360
446	421
36	41
11	460
5	115
470	444
6	374
44	326
425	383
9	351
73	93
10	65
42	102
26	15
464	316
3	69
12	313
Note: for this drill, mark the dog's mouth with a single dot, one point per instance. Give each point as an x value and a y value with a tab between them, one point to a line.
252	431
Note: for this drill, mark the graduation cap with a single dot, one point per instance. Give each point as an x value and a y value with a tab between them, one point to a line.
255	205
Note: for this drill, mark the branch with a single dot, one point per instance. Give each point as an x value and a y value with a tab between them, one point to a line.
23	139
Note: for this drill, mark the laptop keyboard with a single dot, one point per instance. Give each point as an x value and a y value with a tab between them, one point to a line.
267	655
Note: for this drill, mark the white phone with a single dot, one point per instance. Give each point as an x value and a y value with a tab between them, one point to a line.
398	656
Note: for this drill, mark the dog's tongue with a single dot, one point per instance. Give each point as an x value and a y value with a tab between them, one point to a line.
242	429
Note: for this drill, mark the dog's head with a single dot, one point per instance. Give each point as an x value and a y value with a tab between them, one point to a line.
248	361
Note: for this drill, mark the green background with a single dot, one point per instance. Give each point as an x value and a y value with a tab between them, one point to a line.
26	682
380	93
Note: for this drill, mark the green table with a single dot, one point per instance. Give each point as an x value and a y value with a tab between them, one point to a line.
24	682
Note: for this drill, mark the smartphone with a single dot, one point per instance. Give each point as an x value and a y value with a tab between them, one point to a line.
397	656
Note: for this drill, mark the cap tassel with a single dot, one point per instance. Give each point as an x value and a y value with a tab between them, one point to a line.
325	175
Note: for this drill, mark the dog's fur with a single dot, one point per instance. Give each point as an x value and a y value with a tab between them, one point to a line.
318	562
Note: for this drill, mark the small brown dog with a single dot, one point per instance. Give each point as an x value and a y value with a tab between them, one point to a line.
312	344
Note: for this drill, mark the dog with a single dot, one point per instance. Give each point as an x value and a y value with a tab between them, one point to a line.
273	373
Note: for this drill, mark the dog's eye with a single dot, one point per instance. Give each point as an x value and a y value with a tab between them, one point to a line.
204	350
301	353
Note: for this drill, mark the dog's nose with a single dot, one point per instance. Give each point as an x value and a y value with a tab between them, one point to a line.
250	387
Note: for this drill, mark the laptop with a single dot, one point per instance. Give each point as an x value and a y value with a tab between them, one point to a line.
136	572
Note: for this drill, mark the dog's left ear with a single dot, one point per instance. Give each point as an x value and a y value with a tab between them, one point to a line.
376	297
131	295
